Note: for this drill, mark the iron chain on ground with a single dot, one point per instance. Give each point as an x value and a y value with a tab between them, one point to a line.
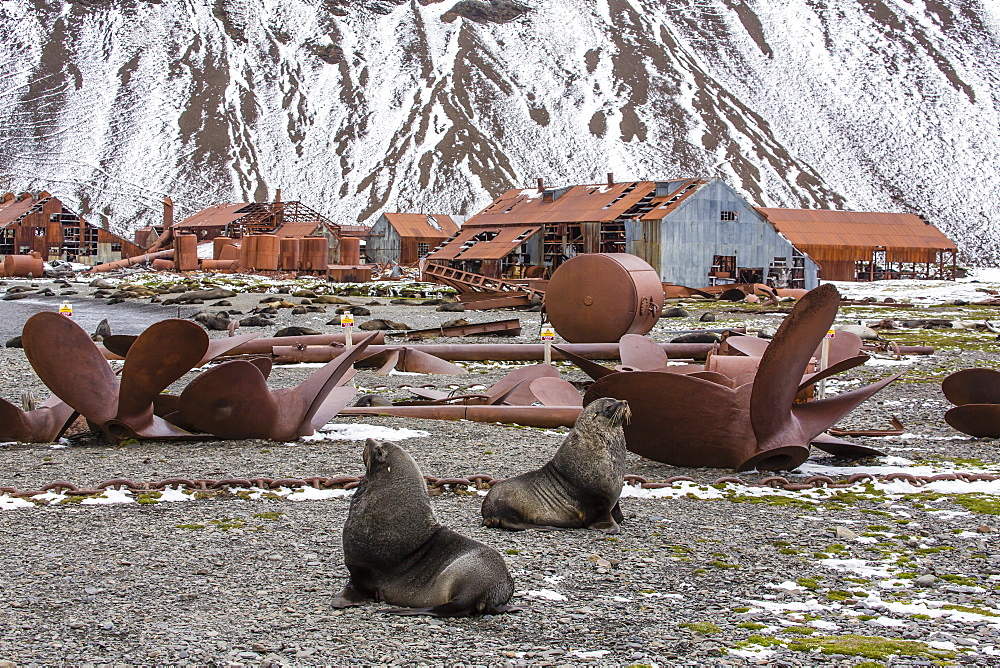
478	481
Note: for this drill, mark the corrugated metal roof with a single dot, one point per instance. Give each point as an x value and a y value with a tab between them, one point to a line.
599	203
11	211
218	215
361	231
853	235
289	230
470	244
422	225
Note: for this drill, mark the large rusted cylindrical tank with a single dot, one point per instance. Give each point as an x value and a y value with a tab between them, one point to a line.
314	253
218	243
600	297
350	250
248	251
186	255
268	251
162	264
231	252
23	265
218	265
290	254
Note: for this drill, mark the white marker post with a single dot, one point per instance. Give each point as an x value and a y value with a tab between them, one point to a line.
347	324
824	361
548	335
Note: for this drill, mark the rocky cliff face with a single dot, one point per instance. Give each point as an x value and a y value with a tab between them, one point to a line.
358	107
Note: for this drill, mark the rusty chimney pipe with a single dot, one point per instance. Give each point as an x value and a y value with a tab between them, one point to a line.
541	185
277	194
611	179
168	213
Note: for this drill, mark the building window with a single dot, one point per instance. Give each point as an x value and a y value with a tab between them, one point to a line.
729	215
116	248
25	250
423	249
39	231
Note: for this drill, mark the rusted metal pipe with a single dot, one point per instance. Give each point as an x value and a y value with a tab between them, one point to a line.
471	352
131	261
529	416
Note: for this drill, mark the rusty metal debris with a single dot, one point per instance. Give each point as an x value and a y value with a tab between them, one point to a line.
600	297
511	327
750	422
897	430
44	424
233	400
976	395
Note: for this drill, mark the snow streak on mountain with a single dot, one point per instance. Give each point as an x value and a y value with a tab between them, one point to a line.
363	106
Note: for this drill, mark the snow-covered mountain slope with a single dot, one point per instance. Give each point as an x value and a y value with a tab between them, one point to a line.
358	107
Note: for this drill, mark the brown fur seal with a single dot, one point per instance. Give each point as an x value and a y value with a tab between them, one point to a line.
578	487
397	552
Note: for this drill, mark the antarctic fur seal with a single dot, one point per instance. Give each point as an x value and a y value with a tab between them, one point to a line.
397	552
578	487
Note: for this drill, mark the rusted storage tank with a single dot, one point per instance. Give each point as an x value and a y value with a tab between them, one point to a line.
186	252
314	253
247	251
291	250
268	251
350	250
23	265
218	265
218	243
162	264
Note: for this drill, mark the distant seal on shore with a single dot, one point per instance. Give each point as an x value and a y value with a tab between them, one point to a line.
397	552
578	487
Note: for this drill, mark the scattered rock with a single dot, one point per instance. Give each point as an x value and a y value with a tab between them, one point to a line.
844	533
707	317
925	580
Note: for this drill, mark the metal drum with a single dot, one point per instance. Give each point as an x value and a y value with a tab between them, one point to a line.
23	265
290	254
268	252
186	252
601	297
350	251
218	243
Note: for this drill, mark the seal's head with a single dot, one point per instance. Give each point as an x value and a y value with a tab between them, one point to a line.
388	461
606	411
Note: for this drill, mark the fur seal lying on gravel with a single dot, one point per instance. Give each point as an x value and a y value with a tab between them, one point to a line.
397	552
578	487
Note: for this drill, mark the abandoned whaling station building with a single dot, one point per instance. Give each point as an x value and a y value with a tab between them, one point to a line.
693	232
404	238
40	222
862	246
290	219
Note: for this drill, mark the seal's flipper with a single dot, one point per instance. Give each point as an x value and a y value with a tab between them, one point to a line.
616	512
456	607
606	525
350	597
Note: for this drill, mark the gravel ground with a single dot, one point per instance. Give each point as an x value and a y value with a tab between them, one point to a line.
742	579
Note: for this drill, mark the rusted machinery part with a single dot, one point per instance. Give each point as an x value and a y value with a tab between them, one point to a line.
683	420
783	364
409	360
844	449
118	345
842	346
833	369
509	352
44	424
739	368
264	346
70	365
977	420
600	297
529	416
233	400
555	392
972	386
641	353
751	346
515	387
509	327
752	426
896	349
162	354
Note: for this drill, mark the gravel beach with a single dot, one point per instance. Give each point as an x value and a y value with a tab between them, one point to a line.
876	573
